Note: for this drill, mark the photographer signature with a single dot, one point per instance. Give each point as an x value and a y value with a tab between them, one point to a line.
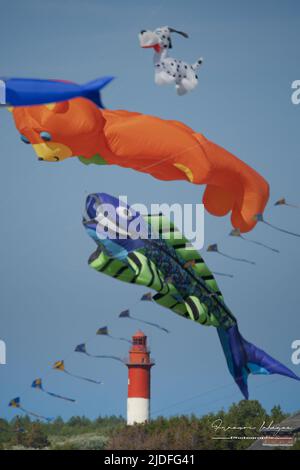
218	425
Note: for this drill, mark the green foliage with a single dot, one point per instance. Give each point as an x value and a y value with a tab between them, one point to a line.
297	445
36	438
180	432
81	442
277	414
232	430
243	419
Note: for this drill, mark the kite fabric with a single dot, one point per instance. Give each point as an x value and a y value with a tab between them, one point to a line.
169	71
103	331
166	149
236	233
215	249
193	263
147	297
260	218
191	292
223	274
126	314
81	348
31	91
38	385
60	365
283	202
16	403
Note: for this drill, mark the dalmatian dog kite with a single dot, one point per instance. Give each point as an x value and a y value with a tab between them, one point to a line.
167	69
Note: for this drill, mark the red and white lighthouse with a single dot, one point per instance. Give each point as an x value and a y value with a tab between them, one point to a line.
139	366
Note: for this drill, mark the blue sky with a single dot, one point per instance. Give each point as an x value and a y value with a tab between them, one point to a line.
50	299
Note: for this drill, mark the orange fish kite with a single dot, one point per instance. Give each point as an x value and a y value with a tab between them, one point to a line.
167	150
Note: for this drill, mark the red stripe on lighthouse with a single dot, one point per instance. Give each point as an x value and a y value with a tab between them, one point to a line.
139	382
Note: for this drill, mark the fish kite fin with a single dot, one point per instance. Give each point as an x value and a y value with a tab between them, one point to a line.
244	358
92	89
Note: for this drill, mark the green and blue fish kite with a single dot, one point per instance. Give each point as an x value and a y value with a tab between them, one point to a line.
167	263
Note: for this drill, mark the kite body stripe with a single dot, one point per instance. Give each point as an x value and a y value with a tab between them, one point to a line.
187	171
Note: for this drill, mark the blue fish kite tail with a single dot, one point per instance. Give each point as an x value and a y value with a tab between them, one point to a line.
244	358
92	90
32	91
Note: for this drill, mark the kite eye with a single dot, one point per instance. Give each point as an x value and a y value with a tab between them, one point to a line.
124	212
24	139
45	136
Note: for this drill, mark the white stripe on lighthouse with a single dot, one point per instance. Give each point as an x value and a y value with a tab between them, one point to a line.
2	92
138	410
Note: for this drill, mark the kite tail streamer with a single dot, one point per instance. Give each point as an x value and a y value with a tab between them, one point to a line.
55	395
82	349
261	244
103	331
222	274
38	385
16	403
126	314
244	358
120	338
155	325
242	260
295	206
104	356
215	249
86	379
60	366
35	415
260	218
281	229
236	233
